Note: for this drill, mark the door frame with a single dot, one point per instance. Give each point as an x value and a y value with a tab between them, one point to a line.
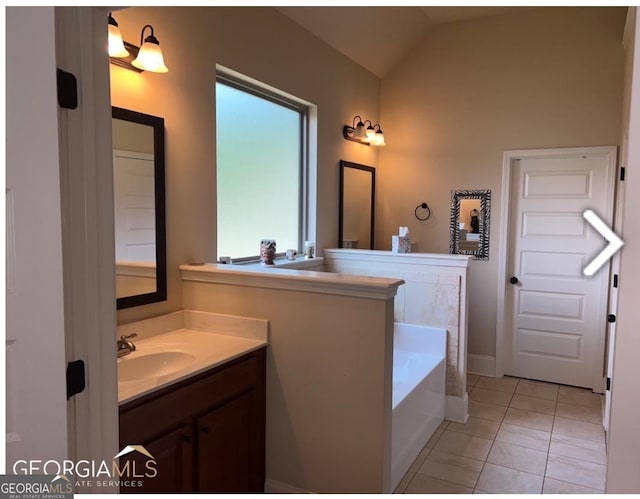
86	176
504	312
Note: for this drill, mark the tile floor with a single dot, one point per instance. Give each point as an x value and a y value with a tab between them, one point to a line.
522	437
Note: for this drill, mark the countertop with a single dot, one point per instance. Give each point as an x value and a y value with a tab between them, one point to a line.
199	351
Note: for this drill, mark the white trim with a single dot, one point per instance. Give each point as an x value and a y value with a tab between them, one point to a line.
483	365
88	237
377	288
276	487
381	256
457	408
503	313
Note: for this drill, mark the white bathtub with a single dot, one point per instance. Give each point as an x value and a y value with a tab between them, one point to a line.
418	392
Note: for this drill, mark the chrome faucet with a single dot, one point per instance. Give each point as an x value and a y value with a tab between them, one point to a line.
125	347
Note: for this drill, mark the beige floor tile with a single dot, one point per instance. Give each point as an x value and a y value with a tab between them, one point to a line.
472	379
534	404
579	396
500	480
576	471
591	414
587	450
476	426
529	419
402	486
422	484
490	396
578	429
417	462
463	445
486	411
537	389
519	458
436	435
504	384
553	486
525	437
454	469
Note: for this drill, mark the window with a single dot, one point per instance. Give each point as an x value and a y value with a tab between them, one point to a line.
260	169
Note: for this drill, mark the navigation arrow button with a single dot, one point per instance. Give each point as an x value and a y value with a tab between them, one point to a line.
615	243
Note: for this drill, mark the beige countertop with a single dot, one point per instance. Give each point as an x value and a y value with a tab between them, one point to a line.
163	359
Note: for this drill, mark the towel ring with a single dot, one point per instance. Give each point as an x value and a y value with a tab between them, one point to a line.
427	213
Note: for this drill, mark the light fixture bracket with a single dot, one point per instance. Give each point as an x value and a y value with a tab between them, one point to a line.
125	62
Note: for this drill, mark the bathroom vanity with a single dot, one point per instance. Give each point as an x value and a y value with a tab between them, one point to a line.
194	399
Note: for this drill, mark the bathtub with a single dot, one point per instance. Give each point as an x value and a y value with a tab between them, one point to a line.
418	392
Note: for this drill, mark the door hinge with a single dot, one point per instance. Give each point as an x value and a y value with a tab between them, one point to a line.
75	378
615	280
622	173
67	90
611	318
608	384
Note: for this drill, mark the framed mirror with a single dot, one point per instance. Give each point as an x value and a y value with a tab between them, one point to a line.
139	208
469	226
357	206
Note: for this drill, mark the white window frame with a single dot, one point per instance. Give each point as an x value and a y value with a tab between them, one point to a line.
307	112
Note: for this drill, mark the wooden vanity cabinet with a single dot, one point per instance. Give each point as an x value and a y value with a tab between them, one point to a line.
206	434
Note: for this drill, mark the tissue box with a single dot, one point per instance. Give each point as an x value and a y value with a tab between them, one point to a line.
400	244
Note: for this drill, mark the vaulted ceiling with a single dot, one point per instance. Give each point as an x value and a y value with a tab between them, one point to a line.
378	37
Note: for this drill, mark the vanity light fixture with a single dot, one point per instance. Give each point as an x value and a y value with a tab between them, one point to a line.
116	45
367	135
379	137
147	57
150	55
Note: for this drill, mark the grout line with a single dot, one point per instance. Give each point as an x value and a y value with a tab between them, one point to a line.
577	485
493	441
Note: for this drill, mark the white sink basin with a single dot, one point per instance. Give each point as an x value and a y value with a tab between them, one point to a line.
152	365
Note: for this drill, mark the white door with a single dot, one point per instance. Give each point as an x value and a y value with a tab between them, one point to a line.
36	412
557	316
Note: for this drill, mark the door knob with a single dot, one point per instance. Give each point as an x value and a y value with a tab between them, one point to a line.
514	280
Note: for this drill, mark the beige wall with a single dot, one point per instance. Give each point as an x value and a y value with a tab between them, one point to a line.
551	77
130	136
328	384
624	437
267	46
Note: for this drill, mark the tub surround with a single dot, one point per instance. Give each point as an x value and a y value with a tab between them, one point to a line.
329	370
435	294
187	343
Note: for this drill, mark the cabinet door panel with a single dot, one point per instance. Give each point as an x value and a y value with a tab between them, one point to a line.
173	454
224	447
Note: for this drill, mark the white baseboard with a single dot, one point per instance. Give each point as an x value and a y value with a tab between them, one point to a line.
481	364
457	408
275	487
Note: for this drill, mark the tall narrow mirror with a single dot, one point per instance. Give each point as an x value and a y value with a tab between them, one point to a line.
357	206
469	226
139	208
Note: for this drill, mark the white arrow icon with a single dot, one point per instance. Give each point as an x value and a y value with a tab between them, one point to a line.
615	243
